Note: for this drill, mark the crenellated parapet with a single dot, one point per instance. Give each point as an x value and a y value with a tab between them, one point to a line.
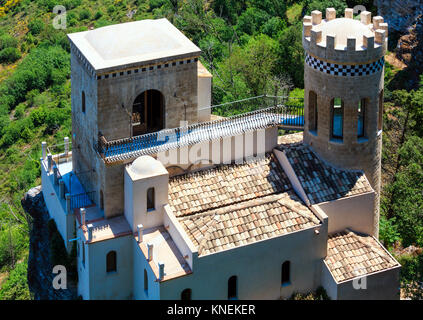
345	39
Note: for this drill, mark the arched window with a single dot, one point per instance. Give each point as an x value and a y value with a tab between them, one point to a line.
148	112
285	274
337	118
186	294
361	112
83	101
111	261
380	114
101	200
150	199
312	111
145	282
232	288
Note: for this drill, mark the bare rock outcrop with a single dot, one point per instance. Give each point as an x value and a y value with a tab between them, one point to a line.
40	276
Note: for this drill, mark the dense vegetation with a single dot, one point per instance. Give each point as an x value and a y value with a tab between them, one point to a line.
252	47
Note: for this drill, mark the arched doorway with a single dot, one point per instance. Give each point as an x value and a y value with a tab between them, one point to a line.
148	112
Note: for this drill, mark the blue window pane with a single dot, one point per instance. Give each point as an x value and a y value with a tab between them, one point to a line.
360	127
337	124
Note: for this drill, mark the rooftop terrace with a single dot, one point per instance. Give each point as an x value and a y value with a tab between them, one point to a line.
283	116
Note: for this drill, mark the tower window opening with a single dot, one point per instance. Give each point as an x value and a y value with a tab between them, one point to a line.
361	112
337	118
232	288
111	261
380	114
83	101
186	294
312	103
150	199
101	200
145	282
285	273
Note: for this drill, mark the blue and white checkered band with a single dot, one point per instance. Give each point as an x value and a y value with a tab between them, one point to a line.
347	70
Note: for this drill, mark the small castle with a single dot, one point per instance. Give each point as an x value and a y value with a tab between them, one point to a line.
163	200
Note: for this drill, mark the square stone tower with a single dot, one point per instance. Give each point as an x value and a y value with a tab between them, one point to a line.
343	82
127	79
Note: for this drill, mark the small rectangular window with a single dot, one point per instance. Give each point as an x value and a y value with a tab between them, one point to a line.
360	118
337	118
150	199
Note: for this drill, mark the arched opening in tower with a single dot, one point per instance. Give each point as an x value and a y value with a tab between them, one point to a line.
148	112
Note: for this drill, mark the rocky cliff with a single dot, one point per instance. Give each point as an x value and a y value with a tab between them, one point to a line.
399	14
405	19
40	276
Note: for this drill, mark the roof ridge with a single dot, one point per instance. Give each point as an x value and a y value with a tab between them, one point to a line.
380	252
222	166
311	218
237	205
203	244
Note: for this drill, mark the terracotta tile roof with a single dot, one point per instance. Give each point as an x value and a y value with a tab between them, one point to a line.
247	222
291	139
351	255
321	181
226	184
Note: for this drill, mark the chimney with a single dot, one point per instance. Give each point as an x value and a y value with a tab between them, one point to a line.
49	162
161	270
68	203
55	175
82	211
66	140
62	188
43	149
150	251
139	228
90	231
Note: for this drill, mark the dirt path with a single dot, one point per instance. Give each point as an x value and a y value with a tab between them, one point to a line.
393	60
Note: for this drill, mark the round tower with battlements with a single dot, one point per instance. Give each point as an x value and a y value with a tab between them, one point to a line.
343	82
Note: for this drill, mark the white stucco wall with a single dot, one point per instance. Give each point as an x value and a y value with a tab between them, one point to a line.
258	268
83	270
329	283
57	207
354	212
204	98
136	200
141	264
179	237
382	285
110	285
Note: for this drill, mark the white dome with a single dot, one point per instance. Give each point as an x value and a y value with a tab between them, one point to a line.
146	166
344	28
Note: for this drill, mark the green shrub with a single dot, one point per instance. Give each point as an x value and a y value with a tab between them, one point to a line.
16	286
388	231
20	111
9	55
84	14
35	26
7	41
319	294
34	72
98	15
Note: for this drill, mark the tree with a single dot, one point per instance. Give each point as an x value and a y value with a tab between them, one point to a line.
406	192
291	54
320	5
